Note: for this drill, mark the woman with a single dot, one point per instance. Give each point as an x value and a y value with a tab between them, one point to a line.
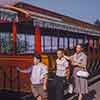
79	62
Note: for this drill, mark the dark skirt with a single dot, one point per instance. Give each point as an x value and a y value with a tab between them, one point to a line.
81	84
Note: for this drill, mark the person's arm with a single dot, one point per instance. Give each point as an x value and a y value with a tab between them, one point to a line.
82	64
66	64
67	73
67	57
73	62
25	70
44	77
45	82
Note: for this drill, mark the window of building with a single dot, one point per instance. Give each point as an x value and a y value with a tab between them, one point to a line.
66	42
6	43
25	43
71	43
86	41
95	43
61	42
54	43
21	43
42	44
30	43
74	42
80	41
46	43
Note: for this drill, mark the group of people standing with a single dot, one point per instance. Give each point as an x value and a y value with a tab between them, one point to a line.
39	74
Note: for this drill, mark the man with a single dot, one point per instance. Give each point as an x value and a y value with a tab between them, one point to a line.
38	77
62	70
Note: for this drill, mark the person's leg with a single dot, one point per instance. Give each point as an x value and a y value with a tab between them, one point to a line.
43	94
35	92
39	98
83	88
80	97
59	90
76	85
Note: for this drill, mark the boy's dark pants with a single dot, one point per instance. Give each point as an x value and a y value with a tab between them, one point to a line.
60	81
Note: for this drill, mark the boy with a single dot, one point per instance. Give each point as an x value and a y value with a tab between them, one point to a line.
62	70
38	77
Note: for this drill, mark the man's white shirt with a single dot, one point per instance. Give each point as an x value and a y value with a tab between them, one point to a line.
62	64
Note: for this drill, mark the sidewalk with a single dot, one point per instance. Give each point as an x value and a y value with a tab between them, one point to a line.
94	92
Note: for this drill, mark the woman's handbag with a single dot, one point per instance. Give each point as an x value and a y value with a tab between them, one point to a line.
83	74
70	88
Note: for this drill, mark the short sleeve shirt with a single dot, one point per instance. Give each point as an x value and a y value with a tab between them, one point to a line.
61	64
80	58
38	73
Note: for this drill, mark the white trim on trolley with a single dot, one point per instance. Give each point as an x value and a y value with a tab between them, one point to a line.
63	26
44	16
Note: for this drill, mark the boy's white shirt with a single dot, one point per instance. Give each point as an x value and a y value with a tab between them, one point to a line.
62	64
38	73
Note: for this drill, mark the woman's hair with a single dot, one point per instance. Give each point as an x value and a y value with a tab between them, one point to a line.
83	46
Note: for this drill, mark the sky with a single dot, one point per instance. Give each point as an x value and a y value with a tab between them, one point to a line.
86	10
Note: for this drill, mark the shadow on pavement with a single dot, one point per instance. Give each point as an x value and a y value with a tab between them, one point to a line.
90	95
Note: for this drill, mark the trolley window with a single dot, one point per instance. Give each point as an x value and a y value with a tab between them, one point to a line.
6	44
61	42
46	43
66	42
54	43
25	44
80	41
71	43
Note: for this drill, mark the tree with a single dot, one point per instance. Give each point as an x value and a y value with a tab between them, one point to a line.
97	22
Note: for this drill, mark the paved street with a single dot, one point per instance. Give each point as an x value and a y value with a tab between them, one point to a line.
94	93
